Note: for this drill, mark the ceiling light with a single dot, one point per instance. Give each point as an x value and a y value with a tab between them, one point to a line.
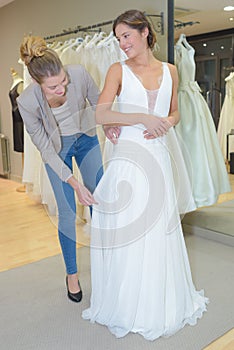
222	47
231	19
228	8
204	44
212	53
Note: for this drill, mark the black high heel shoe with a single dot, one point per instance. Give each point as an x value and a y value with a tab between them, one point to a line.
76	297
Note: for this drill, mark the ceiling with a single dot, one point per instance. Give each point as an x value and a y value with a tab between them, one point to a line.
209	14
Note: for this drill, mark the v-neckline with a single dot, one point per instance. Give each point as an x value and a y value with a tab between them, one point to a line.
141	82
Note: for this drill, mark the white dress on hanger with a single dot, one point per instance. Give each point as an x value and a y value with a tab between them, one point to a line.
141	279
226	121
196	132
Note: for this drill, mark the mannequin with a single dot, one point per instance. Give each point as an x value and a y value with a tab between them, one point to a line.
18	128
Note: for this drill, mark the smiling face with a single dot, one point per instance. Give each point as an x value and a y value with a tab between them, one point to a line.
131	41
55	86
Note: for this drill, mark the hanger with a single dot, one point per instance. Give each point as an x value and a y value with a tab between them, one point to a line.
76	42
182	40
56	45
95	39
230	76
16	78
106	40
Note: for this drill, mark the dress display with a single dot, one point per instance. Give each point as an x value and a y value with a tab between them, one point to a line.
141	278
197	134
18	125
226	121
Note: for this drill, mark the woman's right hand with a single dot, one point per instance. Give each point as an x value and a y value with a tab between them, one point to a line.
84	195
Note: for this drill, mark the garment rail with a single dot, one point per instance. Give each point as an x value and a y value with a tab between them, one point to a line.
179	24
158	29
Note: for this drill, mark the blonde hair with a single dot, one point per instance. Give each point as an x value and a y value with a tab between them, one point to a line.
136	19
41	61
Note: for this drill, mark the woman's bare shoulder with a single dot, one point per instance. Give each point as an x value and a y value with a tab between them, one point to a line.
115	68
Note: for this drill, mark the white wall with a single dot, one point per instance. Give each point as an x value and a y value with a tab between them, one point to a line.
22	17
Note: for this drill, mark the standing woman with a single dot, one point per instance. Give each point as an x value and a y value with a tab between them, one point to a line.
141	278
54	112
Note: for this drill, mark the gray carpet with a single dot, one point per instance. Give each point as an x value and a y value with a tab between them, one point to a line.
36	314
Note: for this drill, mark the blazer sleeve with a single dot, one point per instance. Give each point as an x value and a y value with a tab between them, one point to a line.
36	130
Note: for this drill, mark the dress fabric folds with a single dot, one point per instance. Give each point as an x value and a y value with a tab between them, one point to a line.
197	134
141	278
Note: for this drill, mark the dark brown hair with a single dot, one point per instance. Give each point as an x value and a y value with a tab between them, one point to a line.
41	61
136	19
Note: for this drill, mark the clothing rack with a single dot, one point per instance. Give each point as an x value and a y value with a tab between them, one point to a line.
179	24
93	27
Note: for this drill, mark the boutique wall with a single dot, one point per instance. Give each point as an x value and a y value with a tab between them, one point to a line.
22	17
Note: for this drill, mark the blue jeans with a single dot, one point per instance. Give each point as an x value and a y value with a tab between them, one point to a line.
87	153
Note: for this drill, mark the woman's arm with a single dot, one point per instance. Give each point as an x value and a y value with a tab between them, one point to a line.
30	112
40	139
104	113
106	116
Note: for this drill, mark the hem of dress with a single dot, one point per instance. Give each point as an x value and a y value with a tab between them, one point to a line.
192	321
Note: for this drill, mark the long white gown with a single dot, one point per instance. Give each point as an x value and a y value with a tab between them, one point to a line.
196	133
141	278
226	121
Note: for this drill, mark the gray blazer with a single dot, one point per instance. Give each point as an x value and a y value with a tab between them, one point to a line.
41	124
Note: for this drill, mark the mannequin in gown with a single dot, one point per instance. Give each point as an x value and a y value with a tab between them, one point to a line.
196	132
141	279
18	125
226	121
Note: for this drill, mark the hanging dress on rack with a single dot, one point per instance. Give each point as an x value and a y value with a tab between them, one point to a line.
141	279
226	121
18	125
196	132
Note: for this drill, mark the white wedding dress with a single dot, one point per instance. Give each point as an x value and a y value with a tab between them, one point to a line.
141	278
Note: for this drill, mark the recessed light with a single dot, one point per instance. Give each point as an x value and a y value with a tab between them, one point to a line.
222	47
228	8
204	44
231	19
212	53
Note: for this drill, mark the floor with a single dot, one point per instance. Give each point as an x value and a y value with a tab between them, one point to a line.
36	236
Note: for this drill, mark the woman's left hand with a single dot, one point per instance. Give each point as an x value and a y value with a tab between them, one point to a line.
167	124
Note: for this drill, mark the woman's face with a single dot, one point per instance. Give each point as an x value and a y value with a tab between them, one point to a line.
55	86
131	41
